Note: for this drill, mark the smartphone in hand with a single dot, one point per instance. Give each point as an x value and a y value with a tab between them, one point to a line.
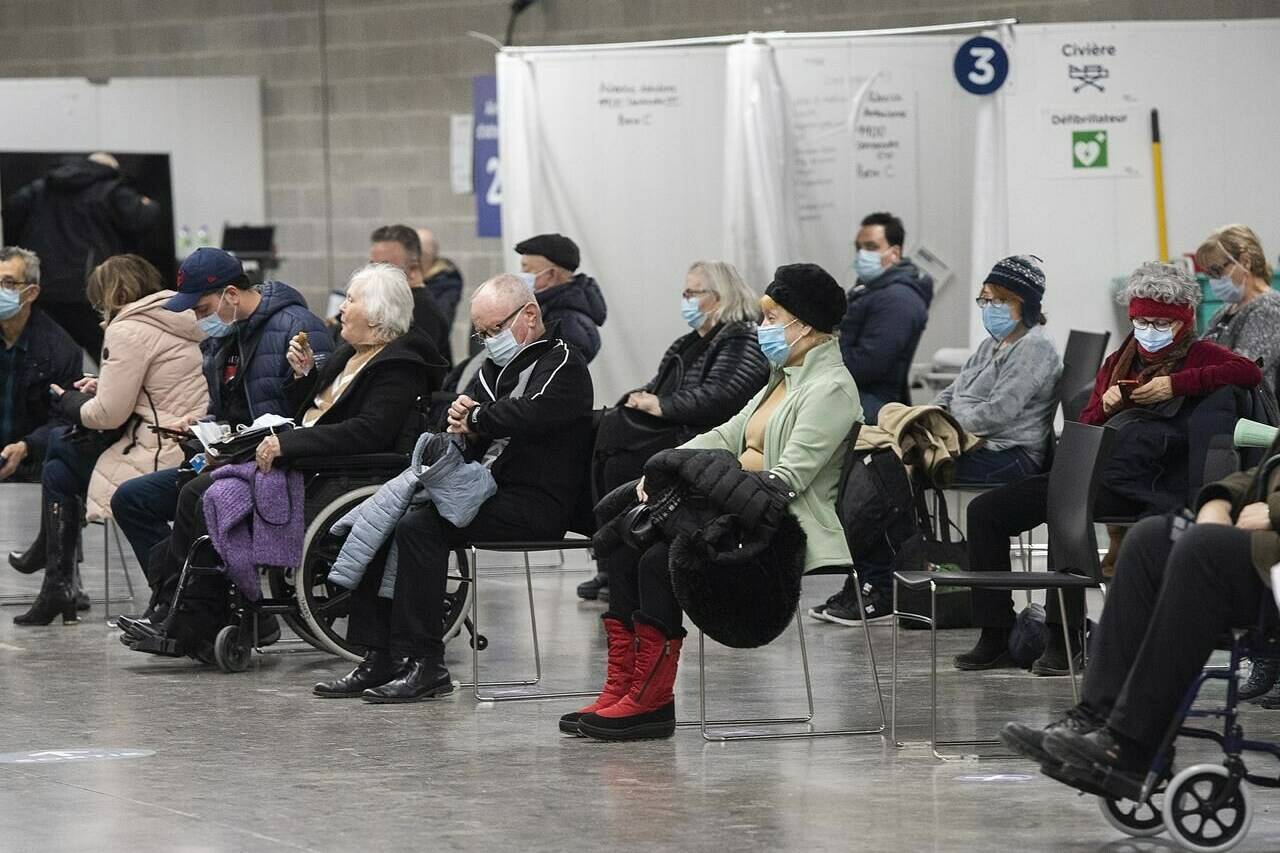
1126	388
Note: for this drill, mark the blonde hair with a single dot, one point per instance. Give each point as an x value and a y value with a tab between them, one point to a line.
735	301
119	280
1241	245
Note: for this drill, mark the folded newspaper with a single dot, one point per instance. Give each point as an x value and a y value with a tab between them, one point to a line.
213	434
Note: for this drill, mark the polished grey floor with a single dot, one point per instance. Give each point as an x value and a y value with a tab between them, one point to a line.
251	762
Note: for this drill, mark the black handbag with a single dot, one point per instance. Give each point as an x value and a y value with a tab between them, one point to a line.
242	446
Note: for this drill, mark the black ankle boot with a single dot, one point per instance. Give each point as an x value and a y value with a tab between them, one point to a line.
423	678
57	592
590	590
31	560
377	668
1054	661
991	651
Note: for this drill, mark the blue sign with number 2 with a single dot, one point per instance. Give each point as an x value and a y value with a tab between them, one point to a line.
981	65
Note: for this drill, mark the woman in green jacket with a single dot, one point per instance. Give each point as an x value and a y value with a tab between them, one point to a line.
794	429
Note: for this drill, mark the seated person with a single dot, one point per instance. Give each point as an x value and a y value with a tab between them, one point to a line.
356	402
795	428
1161	354
37	353
704	378
398	245
1176	592
150	377
1249	321
440	276
248	332
569	298
1006	392
527	415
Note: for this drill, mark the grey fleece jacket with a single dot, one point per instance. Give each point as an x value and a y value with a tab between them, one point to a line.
1252	330
1007	395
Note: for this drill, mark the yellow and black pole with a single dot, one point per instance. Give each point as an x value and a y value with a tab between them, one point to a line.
1157	172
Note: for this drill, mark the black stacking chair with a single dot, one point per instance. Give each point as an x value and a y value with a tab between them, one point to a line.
1080	362
1073	551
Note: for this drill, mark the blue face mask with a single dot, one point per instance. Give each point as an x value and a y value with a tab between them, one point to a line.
773	343
867	266
503	347
10	302
1226	290
1152	339
213	325
691	311
998	320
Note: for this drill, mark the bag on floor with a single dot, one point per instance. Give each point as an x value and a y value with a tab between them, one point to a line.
1030	636
931	548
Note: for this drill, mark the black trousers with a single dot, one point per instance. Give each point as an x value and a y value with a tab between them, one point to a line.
642	582
81	322
411	624
1169	605
995	516
188	526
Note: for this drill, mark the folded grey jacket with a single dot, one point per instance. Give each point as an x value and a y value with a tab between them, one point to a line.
456	487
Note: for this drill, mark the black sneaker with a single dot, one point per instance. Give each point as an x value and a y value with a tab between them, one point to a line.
819	612
845	611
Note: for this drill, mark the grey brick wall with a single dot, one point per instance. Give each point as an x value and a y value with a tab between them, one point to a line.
397	69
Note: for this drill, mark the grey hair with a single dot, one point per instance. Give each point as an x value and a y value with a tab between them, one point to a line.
1165	283
510	287
30	261
387	298
737	303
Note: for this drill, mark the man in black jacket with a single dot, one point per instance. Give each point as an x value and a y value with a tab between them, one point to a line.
440	275
398	245
572	299
527	415
74	218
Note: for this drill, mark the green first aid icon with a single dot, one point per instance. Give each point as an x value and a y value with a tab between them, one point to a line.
1088	149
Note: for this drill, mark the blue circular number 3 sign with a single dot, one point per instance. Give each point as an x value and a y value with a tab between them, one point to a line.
981	65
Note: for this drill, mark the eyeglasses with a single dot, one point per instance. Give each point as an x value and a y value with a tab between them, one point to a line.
13	283
689	293
1220	270
1142	324
984	302
482	336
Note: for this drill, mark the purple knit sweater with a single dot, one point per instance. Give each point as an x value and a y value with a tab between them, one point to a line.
255	519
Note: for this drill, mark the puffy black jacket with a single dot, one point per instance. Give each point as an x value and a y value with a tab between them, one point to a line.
548	427
74	218
578	307
52	358
262	341
371	414
882	328
720	380
444	281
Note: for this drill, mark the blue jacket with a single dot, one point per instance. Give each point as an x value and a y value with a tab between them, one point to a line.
882	328
263	339
578	307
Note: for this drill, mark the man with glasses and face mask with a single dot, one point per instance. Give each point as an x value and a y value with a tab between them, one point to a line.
526	414
37	353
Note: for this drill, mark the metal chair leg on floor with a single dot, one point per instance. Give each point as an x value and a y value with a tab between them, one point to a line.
109	528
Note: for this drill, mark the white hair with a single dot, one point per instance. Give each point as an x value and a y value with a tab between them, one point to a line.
510	288
1165	283
388	302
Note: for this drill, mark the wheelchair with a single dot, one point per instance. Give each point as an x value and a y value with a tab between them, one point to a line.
302	597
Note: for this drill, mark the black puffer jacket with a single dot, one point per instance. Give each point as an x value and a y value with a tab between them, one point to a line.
577	306
74	218
720	380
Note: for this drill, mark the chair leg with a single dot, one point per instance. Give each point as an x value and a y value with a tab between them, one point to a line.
1066	636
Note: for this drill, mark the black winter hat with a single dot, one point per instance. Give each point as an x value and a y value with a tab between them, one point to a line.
557	248
810	293
1022	276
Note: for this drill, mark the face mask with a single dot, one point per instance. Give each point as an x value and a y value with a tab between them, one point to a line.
773	343
692	312
1152	339
1226	290
867	265
998	320
502	347
10	302
213	325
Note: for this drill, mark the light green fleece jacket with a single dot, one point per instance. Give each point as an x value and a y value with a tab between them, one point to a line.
804	444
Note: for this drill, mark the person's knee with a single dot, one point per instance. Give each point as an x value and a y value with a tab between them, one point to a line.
124	502
984	512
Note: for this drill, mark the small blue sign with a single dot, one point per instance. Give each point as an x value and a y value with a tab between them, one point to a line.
484	156
981	65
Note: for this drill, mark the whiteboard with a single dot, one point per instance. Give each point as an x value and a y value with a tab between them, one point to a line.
211	128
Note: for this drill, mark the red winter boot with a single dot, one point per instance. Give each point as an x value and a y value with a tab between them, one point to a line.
617	681
649	708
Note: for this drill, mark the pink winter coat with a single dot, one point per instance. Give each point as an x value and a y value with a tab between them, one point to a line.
150	367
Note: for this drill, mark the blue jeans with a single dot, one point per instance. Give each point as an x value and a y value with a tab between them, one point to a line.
984	467
143	507
66	469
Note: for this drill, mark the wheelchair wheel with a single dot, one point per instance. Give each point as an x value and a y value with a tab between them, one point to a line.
323	607
228	652
1202	813
1139	820
282	586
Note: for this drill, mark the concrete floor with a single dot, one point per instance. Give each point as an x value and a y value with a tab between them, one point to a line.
251	762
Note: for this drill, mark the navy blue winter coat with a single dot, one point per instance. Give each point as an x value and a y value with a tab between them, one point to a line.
882	327
262	341
578	307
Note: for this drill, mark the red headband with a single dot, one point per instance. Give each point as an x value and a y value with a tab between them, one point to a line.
1143	307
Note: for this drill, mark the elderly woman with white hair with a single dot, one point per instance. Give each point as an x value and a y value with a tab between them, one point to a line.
355	402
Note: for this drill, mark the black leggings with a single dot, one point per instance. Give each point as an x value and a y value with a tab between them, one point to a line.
642	582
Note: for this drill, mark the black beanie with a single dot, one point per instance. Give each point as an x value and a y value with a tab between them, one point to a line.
1022	276
557	248
810	293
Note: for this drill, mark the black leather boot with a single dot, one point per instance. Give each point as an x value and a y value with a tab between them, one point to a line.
57	592
423	678
32	560
377	668
590	590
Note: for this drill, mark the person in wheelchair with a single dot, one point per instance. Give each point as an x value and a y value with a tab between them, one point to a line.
356	402
1178	588
527	415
